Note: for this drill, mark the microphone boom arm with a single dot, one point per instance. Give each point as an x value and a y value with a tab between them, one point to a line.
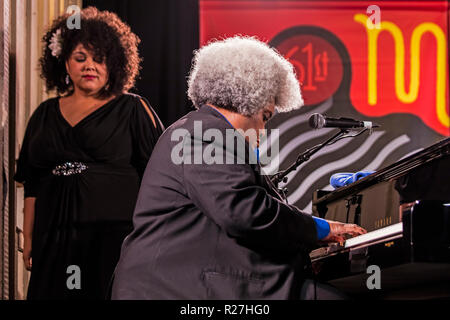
281	176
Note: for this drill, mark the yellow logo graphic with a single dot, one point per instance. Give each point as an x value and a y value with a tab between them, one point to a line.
411	95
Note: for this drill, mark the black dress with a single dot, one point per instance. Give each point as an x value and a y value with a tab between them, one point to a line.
85	179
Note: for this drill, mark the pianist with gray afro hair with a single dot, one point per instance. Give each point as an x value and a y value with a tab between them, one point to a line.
222	229
243	74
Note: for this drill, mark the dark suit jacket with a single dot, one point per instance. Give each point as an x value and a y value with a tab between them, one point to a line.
213	231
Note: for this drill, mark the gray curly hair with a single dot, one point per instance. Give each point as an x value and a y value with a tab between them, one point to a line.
244	75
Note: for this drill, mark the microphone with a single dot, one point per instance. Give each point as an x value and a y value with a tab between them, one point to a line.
318	121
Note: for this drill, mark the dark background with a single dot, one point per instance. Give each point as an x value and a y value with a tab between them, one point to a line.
169	32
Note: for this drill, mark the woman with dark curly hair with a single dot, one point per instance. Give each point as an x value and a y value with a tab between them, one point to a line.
83	156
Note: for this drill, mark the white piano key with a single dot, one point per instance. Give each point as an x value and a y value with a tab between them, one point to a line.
375	235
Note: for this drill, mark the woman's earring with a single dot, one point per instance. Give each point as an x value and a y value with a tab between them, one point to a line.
67	79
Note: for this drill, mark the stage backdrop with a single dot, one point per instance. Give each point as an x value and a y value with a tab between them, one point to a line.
169	31
352	60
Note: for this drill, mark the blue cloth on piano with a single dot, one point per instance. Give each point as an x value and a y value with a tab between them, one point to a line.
341	179
323	228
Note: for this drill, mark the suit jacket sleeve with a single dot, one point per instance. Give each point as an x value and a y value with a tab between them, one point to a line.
230	195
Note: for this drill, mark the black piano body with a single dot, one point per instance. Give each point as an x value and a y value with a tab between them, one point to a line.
405	208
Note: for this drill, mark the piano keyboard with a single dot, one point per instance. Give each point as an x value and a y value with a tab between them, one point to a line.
370	238
373	236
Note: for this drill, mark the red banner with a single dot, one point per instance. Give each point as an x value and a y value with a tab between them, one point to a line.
399	65
381	61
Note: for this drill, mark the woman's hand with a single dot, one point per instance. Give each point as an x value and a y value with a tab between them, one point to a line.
27	259
339	232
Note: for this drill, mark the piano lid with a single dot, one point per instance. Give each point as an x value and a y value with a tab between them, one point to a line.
395	170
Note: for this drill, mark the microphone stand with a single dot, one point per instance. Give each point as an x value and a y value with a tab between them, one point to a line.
305	156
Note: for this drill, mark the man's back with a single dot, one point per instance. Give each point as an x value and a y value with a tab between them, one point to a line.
210	231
